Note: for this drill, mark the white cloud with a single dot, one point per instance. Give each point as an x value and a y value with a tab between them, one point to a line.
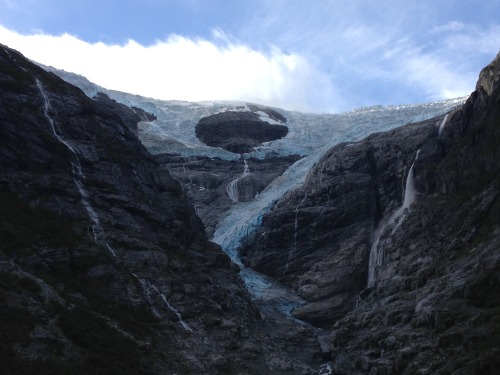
333	55
179	68
386	52
474	39
452	26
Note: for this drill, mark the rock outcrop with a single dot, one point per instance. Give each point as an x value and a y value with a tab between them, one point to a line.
129	115
238	131
433	303
104	266
317	239
214	185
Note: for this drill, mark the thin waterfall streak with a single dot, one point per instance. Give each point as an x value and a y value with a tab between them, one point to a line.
296	227
165	301
77	172
147	294
398	216
147	287
232	187
442	125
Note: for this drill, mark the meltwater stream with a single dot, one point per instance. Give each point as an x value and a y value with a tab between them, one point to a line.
97	229
78	176
147	287
232	187
398	216
310	135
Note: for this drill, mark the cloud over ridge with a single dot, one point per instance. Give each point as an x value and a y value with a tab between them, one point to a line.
327	56
177	67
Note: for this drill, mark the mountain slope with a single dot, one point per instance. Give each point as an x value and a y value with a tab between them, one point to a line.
395	240
105	268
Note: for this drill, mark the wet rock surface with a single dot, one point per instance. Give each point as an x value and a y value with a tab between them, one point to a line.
434	305
208	181
318	238
104	265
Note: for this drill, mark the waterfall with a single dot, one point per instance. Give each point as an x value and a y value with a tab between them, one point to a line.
442	125
78	175
398	216
177	314
325	369
296	227
147	287
184	170
232	187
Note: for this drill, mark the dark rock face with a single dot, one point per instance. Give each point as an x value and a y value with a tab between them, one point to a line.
130	116
434	305
237	132
208	182
318	238
104	266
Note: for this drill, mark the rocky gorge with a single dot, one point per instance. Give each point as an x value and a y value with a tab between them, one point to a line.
105	268
391	242
432	305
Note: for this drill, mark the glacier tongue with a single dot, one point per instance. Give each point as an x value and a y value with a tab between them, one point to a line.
309	135
174	129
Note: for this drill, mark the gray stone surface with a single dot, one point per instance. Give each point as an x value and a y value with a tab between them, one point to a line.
206	181
104	265
434	305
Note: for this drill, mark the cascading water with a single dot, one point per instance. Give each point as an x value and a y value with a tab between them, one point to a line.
147	287
78	176
325	369
309	135
398	216
296	227
232	187
177	314
442	125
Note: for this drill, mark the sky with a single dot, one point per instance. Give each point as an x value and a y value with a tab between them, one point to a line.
322	56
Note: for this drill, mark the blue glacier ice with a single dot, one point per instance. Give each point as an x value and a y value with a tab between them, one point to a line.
310	135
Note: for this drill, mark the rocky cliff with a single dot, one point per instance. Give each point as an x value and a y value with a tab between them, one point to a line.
241	131
104	266
317	239
214	185
394	240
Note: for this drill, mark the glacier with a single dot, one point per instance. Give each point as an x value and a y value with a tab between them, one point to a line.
310	136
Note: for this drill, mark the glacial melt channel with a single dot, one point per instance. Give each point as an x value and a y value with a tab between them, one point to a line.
397	217
310	135
78	175
97	229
